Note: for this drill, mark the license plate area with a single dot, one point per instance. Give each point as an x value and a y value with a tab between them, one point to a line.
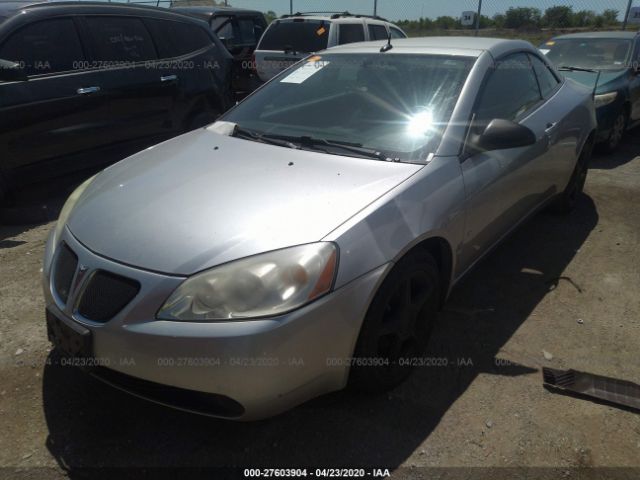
73	340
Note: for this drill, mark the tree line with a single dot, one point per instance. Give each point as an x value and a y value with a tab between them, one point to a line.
523	18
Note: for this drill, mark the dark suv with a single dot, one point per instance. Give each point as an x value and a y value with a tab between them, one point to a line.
79	77
240	31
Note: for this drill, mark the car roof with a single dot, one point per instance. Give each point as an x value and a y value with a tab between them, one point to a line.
337	18
468	46
41	9
212	10
9	8
618	34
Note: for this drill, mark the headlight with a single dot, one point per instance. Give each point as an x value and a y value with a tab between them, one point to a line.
605	99
68	207
263	285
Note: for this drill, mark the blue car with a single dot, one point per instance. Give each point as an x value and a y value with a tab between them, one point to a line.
616	55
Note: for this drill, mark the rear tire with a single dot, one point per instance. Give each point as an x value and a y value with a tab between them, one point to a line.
398	324
567	200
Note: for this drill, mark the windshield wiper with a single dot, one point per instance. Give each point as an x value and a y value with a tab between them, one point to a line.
295	142
566	68
261	137
357	148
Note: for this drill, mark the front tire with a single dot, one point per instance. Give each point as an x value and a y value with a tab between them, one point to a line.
617	133
398	324
568	199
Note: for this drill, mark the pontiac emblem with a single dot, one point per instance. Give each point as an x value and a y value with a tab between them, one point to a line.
82	270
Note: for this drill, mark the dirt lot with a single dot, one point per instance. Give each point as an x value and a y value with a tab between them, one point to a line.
568	286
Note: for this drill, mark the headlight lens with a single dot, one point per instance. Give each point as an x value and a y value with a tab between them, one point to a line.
68	207
263	285
605	99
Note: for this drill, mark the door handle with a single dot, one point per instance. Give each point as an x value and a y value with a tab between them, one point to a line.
169	78
550	127
87	90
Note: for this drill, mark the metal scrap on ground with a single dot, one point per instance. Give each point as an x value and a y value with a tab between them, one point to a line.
621	392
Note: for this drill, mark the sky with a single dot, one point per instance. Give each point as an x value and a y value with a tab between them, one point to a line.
409	9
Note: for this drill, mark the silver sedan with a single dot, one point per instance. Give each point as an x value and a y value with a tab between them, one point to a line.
306	240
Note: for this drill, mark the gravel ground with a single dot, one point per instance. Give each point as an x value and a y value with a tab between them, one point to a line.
561	292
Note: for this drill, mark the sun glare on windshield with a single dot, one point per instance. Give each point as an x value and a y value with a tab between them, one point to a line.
420	124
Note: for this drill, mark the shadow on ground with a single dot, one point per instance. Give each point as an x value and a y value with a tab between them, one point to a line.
92	425
627	151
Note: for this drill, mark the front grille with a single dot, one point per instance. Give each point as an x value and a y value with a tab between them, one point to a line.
106	295
63	272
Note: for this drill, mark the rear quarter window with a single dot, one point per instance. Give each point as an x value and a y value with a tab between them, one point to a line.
378	32
124	39
546	78
396	33
174	39
223	27
301	36
249	31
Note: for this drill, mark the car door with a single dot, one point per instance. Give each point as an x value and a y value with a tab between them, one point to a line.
203	83
141	89
240	34
61	108
562	132
501	185
634	83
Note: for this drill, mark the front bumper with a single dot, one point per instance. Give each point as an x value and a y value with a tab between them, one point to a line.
266	365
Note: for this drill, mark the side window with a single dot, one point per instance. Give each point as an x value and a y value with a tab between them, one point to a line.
122	39
174	39
351	32
48	46
223	27
378	32
546	78
510	90
396	33
259	27
247	31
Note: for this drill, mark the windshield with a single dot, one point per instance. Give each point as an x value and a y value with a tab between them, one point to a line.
597	53
299	35
398	104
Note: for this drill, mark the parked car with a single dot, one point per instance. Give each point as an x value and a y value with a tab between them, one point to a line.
239	30
82	76
616	55
293	37
306	239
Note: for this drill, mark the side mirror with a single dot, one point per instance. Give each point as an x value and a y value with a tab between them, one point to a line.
12	72
502	134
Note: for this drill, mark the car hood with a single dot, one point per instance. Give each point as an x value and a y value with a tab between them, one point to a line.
203	199
609	79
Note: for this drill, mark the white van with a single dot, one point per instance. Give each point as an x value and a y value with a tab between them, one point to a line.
292	37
